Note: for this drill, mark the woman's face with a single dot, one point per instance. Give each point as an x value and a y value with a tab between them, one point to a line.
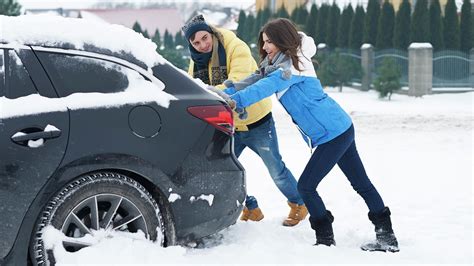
269	47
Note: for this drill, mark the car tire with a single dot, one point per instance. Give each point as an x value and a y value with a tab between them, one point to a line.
104	200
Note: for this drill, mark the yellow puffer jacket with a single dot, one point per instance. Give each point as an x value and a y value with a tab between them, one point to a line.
240	64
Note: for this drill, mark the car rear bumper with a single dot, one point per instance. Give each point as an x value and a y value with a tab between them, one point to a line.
215	203
210	227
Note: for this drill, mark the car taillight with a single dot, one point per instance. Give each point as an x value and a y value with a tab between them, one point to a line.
219	116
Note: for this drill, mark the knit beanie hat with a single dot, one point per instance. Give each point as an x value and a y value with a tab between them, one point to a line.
196	24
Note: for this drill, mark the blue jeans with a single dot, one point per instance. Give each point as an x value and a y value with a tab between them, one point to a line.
343	152
263	141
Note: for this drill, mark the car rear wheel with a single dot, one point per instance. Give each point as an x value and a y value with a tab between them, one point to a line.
90	208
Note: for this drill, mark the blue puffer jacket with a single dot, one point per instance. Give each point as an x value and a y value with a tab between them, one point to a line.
319	118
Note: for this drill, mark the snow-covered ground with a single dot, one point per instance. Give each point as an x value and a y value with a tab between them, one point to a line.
418	152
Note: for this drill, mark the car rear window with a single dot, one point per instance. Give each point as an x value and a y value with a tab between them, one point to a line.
80	74
177	82
15	81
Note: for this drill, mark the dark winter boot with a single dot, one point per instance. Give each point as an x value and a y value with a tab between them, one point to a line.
385	238
323	228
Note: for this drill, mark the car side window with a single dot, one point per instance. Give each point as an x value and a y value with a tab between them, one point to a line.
79	74
17	81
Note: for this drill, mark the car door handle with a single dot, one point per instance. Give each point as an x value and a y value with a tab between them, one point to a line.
21	137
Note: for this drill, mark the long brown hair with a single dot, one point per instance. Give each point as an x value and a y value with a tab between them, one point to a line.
284	35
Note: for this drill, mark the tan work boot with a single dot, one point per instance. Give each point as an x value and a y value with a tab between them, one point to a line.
297	214
252	215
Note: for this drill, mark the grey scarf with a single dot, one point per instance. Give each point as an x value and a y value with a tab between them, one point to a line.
279	61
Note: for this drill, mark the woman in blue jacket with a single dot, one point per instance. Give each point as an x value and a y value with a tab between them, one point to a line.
286	69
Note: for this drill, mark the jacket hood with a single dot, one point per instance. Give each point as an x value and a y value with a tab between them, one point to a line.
305	52
308	47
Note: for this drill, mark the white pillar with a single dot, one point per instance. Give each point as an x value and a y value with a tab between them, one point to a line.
420	69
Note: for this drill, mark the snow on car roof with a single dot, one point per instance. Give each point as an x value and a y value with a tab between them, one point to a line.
82	34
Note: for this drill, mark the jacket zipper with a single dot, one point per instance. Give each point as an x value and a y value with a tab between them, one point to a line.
308	139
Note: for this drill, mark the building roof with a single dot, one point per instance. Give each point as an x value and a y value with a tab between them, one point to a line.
221	18
149	19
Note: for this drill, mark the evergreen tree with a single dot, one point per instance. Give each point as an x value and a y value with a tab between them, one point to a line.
388	79
401	38
420	23
451	26
179	39
386	25
249	36
10	8
295	14
321	26
146	34
258	23
242	26
465	28
157	38
175	57
311	22
136	27
332	26
371	22
282	12
472	34
302	17
266	15
436	26
262	18
338	70
357	28
344	27
168	40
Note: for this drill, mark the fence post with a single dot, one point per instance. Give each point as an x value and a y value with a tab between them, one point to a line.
367	61
420	69
471	67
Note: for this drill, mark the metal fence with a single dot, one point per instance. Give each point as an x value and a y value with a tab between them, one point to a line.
451	69
400	58
353	54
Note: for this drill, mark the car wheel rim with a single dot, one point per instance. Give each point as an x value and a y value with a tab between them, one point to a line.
97	216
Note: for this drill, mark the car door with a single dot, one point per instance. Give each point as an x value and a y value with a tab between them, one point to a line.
34	131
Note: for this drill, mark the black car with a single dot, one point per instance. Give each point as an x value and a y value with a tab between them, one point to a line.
82	150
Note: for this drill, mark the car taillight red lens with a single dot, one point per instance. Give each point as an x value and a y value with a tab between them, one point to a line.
219	116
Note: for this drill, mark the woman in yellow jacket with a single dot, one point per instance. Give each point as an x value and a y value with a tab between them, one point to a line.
218	55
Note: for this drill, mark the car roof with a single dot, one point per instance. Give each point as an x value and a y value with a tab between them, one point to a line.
80	34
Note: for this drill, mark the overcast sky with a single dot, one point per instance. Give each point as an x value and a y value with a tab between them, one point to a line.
234	3
89	3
